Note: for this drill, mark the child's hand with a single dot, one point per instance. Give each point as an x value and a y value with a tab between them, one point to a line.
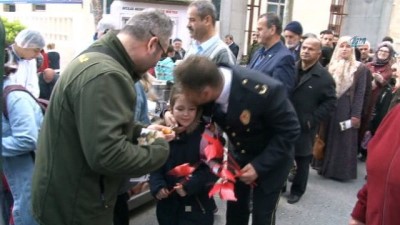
179	189
163	193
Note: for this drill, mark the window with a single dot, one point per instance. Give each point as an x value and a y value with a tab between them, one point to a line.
276	6
38	7
9	7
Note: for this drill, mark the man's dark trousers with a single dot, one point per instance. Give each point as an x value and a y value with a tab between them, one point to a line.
263	208
300	180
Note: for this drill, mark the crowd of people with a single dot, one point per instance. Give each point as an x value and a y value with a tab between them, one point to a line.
70	163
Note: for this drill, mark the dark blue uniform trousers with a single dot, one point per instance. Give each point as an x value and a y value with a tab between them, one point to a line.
263	207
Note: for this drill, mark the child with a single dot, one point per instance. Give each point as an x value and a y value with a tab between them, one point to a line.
184	201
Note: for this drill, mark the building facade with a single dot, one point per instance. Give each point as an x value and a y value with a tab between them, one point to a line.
71	26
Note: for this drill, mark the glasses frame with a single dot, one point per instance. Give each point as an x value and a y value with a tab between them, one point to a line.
158	42
384	51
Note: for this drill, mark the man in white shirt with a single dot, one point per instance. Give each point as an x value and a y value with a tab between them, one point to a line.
202	18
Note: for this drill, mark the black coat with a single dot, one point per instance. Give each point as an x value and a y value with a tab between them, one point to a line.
314	98
262	126
184	149
46	88
234	48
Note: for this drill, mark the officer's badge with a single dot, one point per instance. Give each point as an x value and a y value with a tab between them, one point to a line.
245	117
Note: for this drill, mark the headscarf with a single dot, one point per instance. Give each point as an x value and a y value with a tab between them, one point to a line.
342	70
381	62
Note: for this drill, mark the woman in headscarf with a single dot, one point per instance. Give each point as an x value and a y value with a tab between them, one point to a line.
340	160
381	69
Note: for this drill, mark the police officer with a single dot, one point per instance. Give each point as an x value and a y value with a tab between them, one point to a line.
262	127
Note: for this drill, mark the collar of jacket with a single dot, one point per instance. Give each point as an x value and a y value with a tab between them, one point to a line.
111	41
314	69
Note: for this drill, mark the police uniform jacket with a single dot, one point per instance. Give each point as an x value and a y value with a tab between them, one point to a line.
262	126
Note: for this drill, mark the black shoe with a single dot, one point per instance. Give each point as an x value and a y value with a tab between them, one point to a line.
293	199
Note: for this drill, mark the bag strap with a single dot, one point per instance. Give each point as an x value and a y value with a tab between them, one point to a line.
16	87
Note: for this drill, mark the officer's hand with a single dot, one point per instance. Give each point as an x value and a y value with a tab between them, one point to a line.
248	174
170	119
355	222
163	193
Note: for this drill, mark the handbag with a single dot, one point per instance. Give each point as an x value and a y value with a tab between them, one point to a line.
318	148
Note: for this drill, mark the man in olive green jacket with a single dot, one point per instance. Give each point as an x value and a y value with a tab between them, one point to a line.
87	142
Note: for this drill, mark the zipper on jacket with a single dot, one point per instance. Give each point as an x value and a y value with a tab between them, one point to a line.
200	205
102	197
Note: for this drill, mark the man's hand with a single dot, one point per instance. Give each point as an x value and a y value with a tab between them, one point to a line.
355	222
161	132
248	174
170	119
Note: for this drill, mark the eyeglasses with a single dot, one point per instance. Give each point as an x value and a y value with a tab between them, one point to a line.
383	51
158	42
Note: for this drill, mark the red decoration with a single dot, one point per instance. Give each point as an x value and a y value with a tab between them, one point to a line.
223	172
214	149
182	170
225	190
227	171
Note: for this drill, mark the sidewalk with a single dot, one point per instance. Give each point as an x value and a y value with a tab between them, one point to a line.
325	202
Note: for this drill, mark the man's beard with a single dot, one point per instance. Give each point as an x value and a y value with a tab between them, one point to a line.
290	46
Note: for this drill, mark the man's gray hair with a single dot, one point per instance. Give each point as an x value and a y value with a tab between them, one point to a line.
147	23
205	8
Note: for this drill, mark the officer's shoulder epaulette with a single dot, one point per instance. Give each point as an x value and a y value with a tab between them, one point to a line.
259	88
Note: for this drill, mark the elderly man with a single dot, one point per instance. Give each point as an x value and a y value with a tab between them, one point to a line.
273	59
261	124
292	33
314	97
202	18
88	142
106	24
179	51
